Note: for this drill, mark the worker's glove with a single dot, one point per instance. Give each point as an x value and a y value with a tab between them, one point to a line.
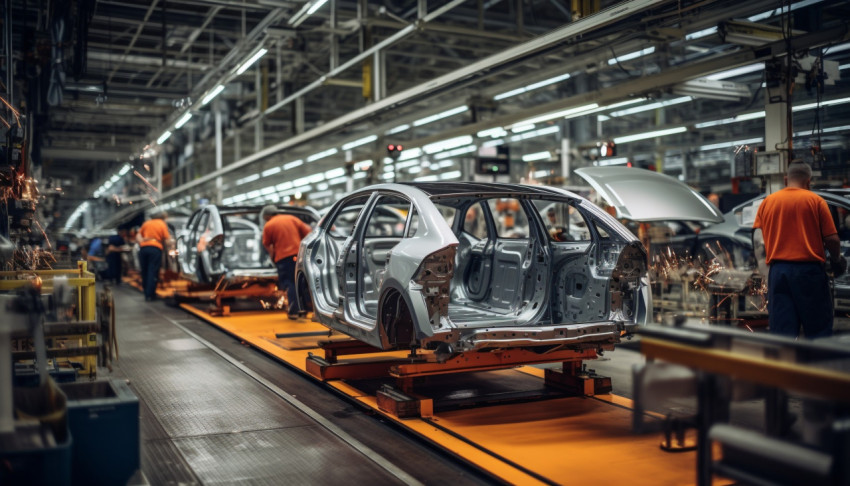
838	267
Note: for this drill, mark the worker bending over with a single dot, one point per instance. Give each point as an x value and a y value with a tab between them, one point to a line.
797	225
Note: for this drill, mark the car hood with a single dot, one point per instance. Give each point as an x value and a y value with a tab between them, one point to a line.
643	195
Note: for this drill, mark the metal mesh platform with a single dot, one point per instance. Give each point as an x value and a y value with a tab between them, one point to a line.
205	421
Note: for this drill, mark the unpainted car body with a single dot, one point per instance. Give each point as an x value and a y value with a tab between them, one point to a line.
472	266
227	242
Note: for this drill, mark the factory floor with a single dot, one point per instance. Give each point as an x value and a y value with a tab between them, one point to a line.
214	411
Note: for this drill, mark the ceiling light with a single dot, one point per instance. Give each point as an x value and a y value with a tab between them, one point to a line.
737	143
183	119
162	138
307	10
737	71
250	62
272	171
646	135
293	164
357	143
447	144
530	87
522	128
734	119
334	173
322	155
125	169
615	161
631	55
701	33
779	11
712	89
651	106
454	153
495	132
398	129
440	116
250	178
454	174
212	94
571	112
534	134
537	156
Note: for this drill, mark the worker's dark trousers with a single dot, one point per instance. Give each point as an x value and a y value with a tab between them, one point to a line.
798	295
150	259
286	280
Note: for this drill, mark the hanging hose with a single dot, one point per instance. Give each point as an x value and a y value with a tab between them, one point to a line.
106	317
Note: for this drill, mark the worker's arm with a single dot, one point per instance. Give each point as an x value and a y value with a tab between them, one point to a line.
833	244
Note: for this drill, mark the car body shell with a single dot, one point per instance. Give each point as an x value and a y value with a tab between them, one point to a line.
432	284
226	242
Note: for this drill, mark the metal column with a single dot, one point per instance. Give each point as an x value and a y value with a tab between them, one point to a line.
218	148
776	126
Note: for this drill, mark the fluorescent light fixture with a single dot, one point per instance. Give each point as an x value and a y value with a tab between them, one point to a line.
843	67
530	87
809	106
571	112
250	62
389	168
739	71
408	154
651	106
359	175
405	165
494	132
183	119
631	55
447	144
293	164
444	164
316	5
323	186
253	194
245	180
359	142
541	173
162	138
427	178
334	173
338	180
283	186
726	121
322	154
272	171
267	190
454	174
125	169
653	134
722	145
701	33
454	153
440	116
522	128
239	198
320	194
398	129
836	129
493	143
387	176
536	156
534	134
414	170
212	94
838	48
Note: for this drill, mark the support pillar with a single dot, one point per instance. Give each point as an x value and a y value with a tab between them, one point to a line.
776	125
219	153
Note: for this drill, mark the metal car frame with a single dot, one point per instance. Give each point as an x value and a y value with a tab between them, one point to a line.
415	288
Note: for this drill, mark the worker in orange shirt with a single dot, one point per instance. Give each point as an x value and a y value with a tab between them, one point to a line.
797	225
282	235
152	238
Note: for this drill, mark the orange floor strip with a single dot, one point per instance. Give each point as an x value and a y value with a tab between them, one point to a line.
565	440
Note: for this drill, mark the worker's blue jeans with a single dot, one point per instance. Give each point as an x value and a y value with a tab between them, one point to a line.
150	259
286	280
798	294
